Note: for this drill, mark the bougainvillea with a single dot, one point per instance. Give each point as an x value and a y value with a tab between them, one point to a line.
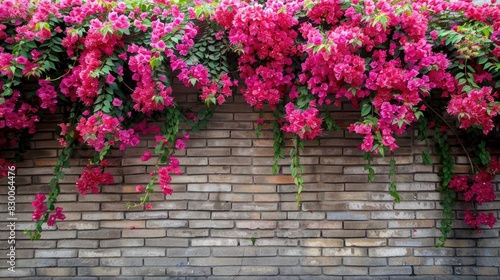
108	66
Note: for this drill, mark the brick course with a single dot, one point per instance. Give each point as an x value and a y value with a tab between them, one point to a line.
230	218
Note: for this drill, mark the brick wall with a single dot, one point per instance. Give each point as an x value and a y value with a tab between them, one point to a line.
230	218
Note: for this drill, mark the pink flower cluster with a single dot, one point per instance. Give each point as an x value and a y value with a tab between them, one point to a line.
477	107
16	114
164	175
479	189
39	205
267	42
100	130
304	123
58	215
148	94
48	95
91	178
479	219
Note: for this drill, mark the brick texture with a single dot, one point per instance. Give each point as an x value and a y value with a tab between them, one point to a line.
230	218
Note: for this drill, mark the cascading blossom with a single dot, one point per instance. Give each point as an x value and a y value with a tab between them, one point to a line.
100	130
477	107
304	123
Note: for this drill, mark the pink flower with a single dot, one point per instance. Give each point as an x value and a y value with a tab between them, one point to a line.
139	188
149	206
110	79
180	144
146	156
117	102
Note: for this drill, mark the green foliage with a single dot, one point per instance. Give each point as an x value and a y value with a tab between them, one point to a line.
296	168
392	185
446	173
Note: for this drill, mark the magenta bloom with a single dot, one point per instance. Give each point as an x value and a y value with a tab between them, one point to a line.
146	156
117	102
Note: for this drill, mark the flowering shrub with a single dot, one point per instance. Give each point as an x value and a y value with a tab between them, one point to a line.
108	66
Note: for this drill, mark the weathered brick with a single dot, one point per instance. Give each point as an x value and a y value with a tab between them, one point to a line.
19	272
56	253
392	270
433	270
299	252
235	216
306	216
369	206
348	216
273	216
364	242
475	270
118	243
99	234
165	262
244	251
77	225
80	243
309	271
157	271
167	242
459	261
187	232
345	252
189	215
298	233
98	271
412	242
392	215
209	205
189	252
254	188
98	253
360	261
411	261
246	270
284	261
255	207
56	271
77	262
389	233
488	261
143	252
389	252
123	262
276	242
144	233
345	270
233	197
35	263
343	233
320	261
322	242
188	271
210	224
149	215
438	252
365	225
256	224
123	224
209	187
214	242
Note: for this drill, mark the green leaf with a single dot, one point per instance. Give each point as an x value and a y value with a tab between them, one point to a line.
366	110
394	192
426	158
